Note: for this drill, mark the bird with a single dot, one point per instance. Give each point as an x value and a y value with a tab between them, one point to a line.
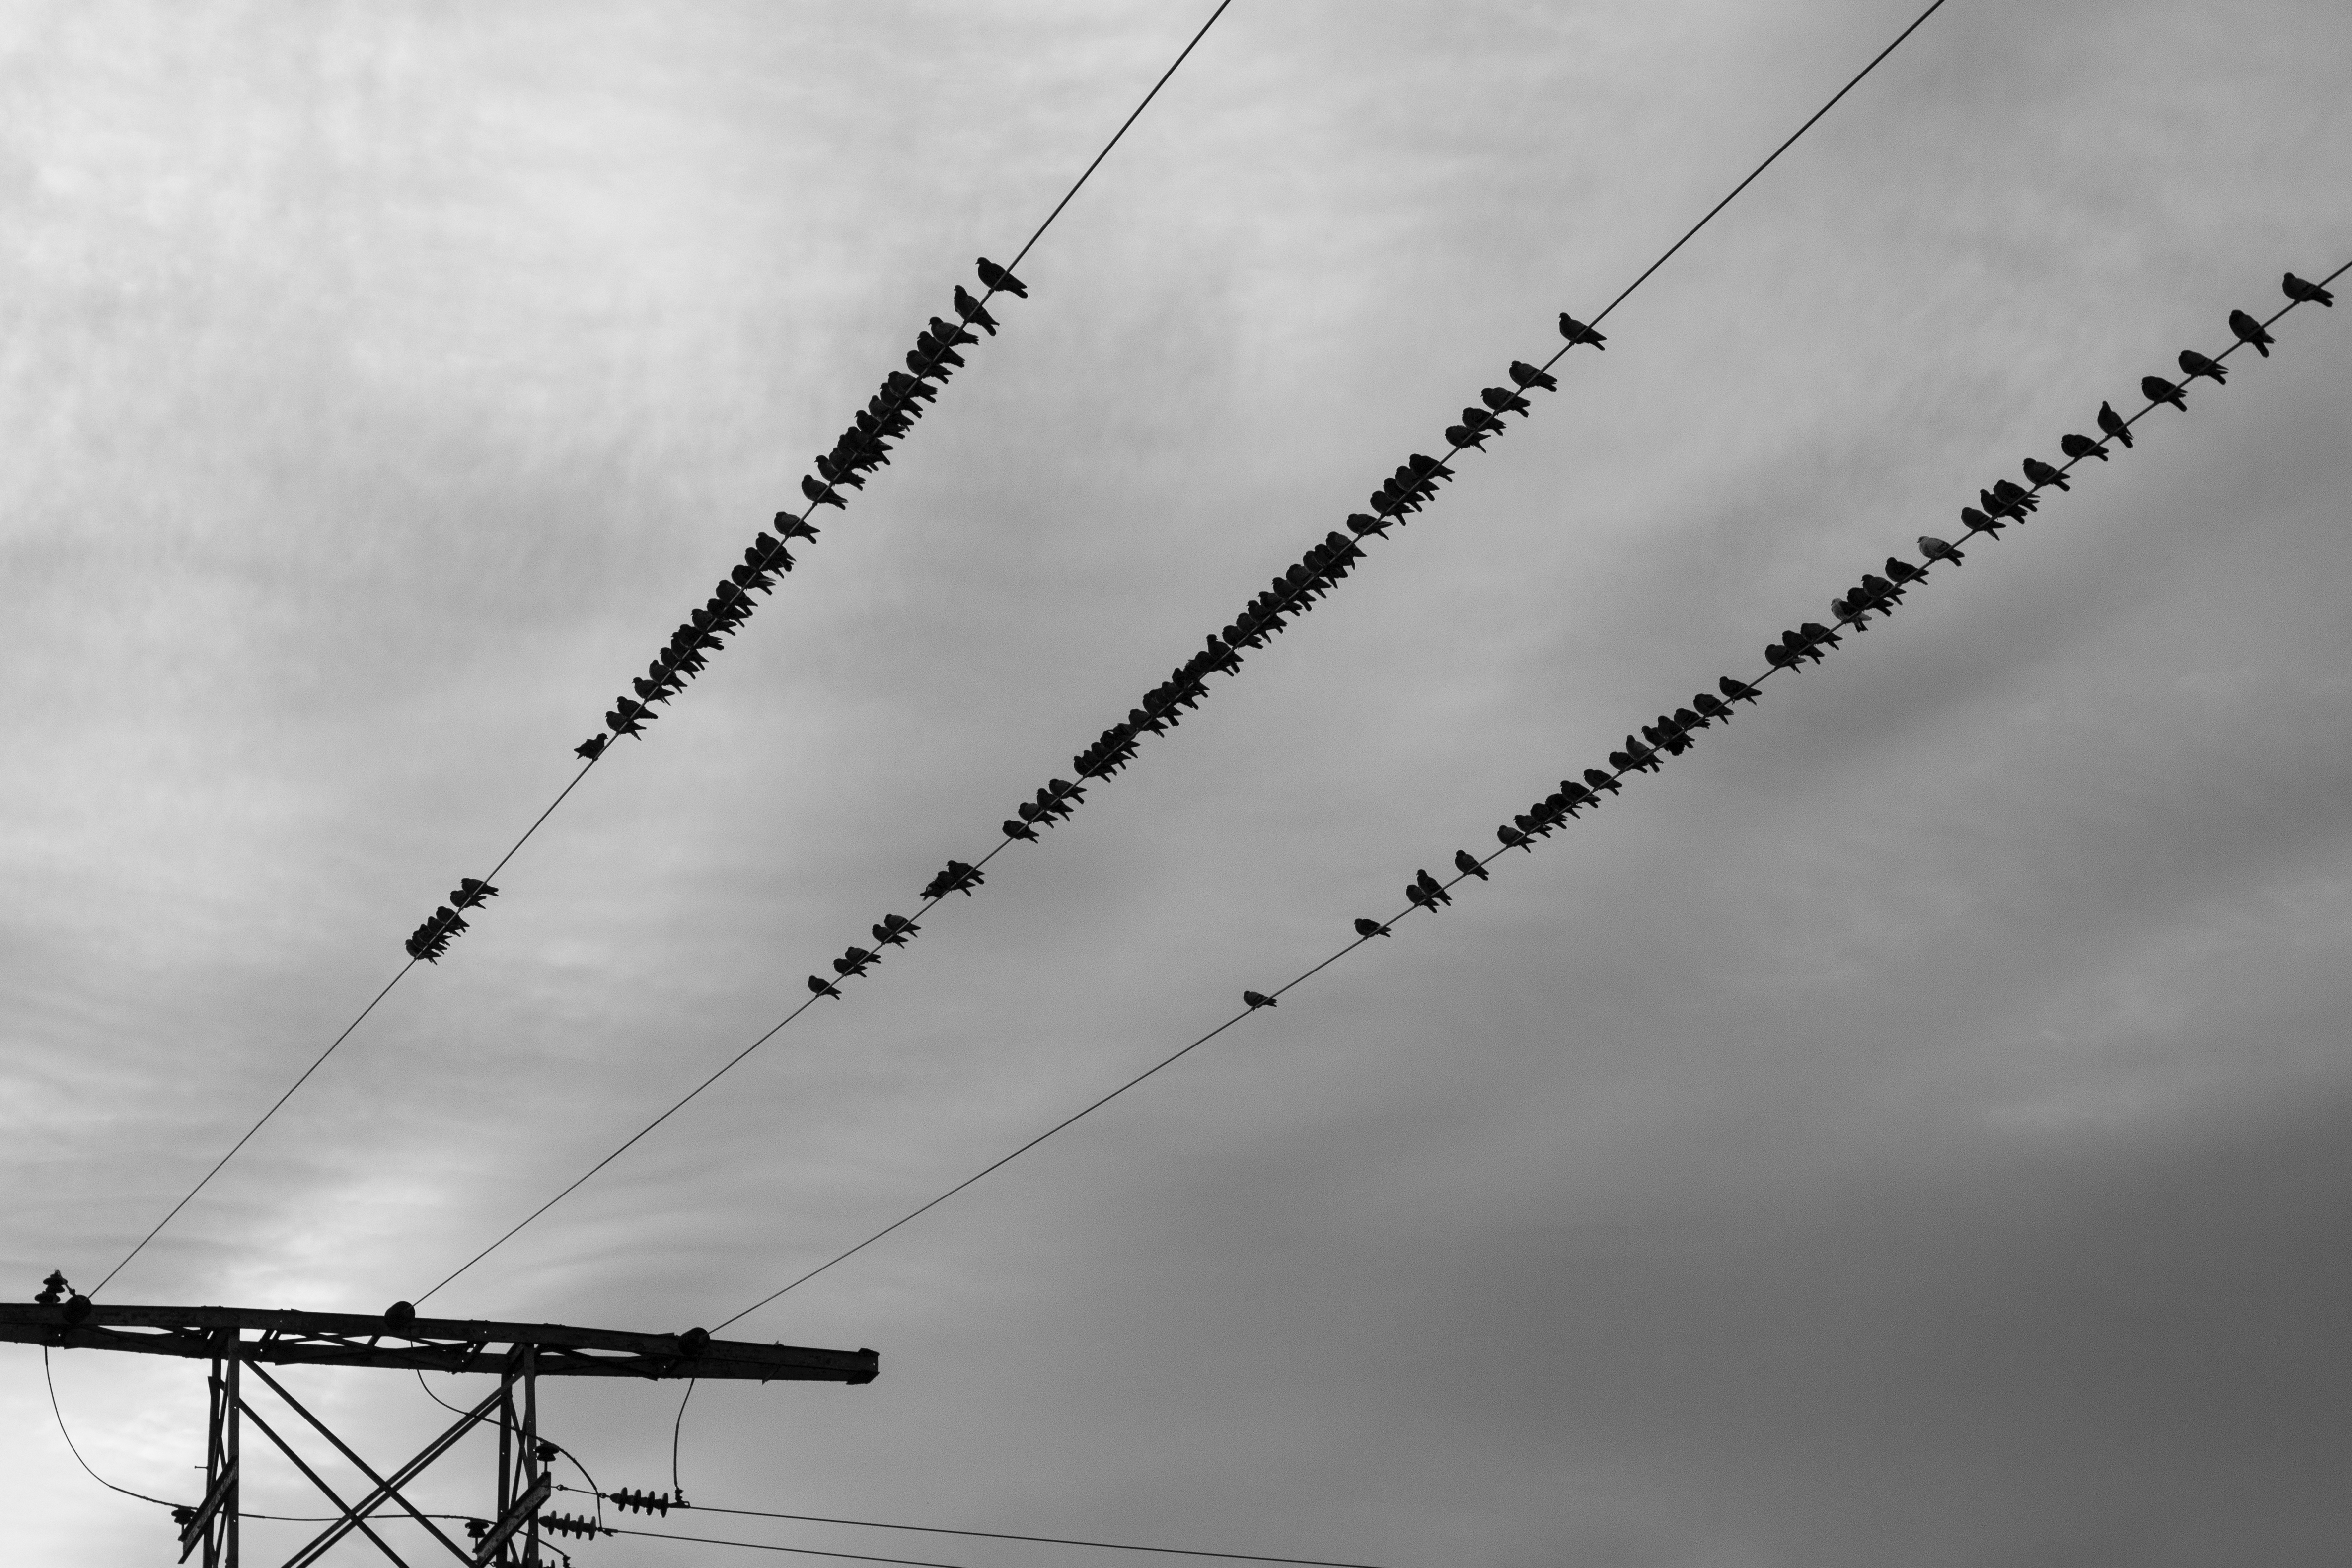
1512	839
1600	781
1467	864
852	962
995	279
1017	829
820	494
1576	331
1363	524
2304	294
2042	473
2156	389
819	987
1713	707
1526	375
470	891
1935	549
1430	887
1644	759
949	332
1503	401
2194	364
1462	436
2113	424
790	526
2250	330
894	930
590	749
1372	928
1775	654
1980	523
971	310
1739	691
2081	446
2010	494
1256	1000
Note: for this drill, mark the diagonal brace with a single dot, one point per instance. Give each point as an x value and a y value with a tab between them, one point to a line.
343	1448
319	1481
399	1477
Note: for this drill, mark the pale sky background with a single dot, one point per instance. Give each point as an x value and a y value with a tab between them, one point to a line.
1913	1130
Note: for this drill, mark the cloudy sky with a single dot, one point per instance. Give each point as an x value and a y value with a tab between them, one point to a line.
1913	1129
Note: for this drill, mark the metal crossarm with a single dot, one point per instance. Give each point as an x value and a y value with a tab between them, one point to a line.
425	1344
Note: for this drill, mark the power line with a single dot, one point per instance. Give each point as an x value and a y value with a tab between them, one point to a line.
597	755
763	1546
1354	552
1303	976
75	1449
1043	1540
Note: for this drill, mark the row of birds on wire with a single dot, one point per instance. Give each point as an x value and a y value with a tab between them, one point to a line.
2002	505
864	445
1293	594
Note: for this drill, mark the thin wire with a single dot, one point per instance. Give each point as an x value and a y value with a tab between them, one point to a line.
1767	162
1043	1540
1115	136
1309	973
1355	551
677	1427
75	1449
763	1546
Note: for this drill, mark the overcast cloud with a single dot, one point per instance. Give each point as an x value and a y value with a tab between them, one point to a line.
1912	1129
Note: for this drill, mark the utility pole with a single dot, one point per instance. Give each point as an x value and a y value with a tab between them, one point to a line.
238	1340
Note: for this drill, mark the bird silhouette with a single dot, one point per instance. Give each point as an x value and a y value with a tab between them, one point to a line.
1935	549
590	749
1256	1000
2011	495
822	988
2250	330
1467	864
1737	691
1362	523
1980	523
2081	446
1463	436
1576	331
2042	473
2194	364
2156	389
2304	294
1430	887
972	311
1503	401
1713	707
1013	830
470	891
894	930
1600	781
996	280
1370	928
1513	838
1526	375
2115	425
820	494
852	962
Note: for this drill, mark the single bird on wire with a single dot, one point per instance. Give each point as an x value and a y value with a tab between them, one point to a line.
2115	425
997	280
2250	330
2304	294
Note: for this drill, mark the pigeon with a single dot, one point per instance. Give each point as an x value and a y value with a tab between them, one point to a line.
1980	523
2304	294
895	930
2013	496
1467	864
1503	401
2250	330
852	962
2114	425
2156	389
1460	436
1935	549
820	494
1713	707
1644	759
590	749
1739	691
1255	1000
1818	633
952	334
820	987
1018	829
1526	375
833	473
995	279
939	350
470	891
1901	571
1512	839
1576	331
1360	524
792	527
1776	655
1430	887
1370	928
2194	364
972	311
2081	446
2042	473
